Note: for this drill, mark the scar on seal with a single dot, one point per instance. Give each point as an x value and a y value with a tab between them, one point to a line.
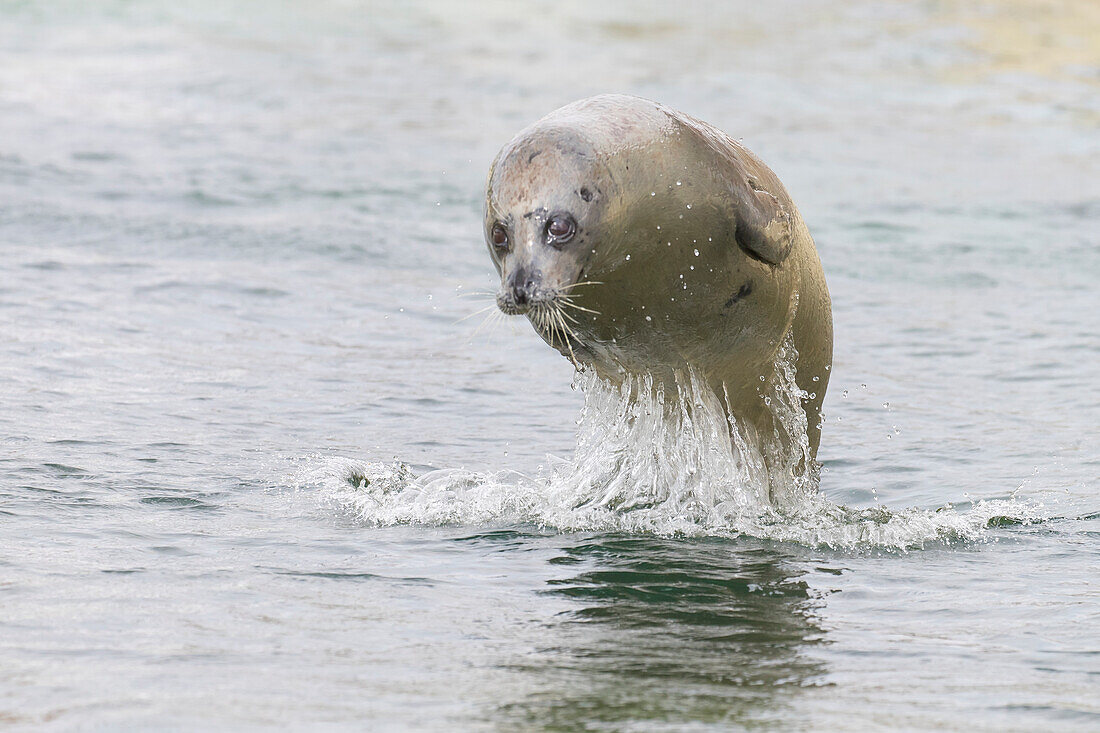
742	292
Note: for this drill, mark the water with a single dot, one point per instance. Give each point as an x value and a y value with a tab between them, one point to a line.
235	240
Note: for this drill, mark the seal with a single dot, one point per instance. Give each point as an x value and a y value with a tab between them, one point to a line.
637	239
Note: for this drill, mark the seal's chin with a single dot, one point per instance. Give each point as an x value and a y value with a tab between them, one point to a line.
509	307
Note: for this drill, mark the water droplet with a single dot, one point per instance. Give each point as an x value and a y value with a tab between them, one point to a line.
761	377
691	267
689	206
652	193
886	405
628	258
863	386
816	378
844	393
767	400
678	183
696	253
649	318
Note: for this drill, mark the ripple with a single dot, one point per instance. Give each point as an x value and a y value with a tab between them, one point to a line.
176	502
353	576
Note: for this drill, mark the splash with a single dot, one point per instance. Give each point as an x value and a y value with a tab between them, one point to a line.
666	460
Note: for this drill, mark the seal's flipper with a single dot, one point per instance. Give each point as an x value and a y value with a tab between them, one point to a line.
763	224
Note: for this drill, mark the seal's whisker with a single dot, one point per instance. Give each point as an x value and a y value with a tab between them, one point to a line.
538	317
555	331
542	321
566	315
548	325
566	334
582	308
555	324
578	284
572	333
486	321
562	315
568	302
493	319
478	312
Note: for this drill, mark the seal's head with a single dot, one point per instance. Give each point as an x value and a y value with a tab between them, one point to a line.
541	210
684	235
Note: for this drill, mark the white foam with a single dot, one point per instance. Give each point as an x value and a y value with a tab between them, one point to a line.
665	462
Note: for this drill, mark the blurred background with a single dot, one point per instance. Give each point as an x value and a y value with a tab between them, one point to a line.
234	243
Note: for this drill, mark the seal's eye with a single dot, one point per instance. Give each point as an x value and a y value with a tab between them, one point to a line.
561	228
499	237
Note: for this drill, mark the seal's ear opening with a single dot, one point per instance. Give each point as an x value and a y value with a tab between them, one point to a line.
763	226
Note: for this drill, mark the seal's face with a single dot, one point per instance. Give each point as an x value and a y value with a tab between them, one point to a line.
534	258
541	215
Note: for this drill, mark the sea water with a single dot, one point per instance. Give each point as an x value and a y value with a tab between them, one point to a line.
257	470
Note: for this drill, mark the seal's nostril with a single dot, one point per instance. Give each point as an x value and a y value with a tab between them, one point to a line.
518	284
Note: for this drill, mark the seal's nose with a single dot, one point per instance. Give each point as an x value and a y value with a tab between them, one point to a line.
522	284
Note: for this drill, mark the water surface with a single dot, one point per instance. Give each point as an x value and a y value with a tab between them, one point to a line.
234	243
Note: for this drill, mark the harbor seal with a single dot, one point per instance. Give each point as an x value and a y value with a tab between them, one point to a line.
637	239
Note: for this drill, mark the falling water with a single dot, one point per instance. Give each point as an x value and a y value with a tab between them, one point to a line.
663	459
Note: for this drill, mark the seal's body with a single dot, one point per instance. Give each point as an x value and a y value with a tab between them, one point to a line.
637	239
